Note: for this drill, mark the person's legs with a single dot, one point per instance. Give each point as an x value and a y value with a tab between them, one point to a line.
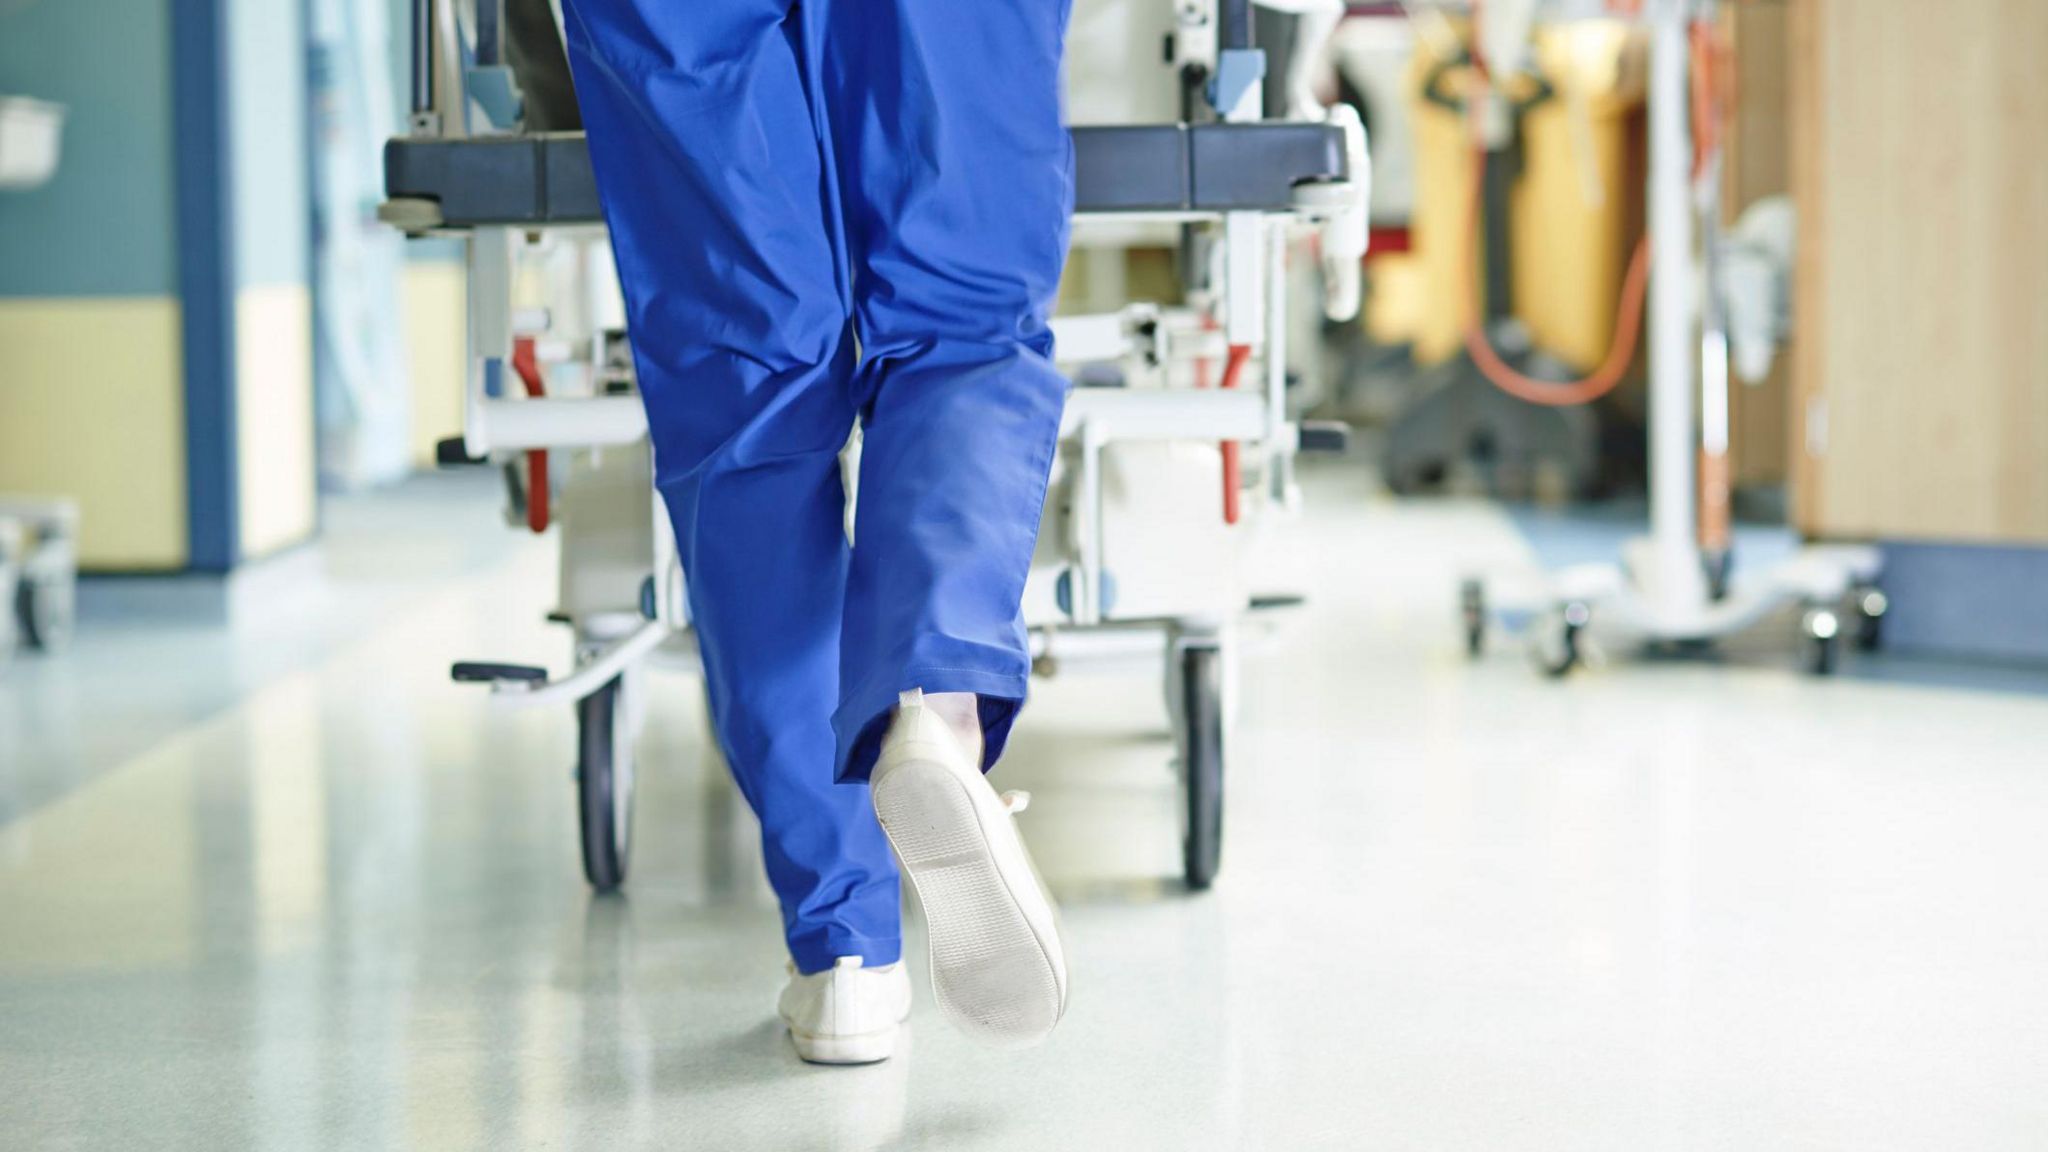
708	159
957	180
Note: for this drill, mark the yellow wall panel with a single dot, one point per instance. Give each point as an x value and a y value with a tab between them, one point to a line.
92	406
274	443
436	295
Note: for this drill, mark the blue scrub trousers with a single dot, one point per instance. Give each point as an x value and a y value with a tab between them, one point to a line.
823	212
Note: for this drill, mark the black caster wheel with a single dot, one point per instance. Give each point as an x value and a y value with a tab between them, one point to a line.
1201	685
1558	648
604	785
1472	609
1822	629
43	608
1868	605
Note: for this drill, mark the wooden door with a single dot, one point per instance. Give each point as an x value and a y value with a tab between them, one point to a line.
1920	163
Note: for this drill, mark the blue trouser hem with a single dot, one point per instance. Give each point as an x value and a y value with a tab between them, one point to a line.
817	950
865	715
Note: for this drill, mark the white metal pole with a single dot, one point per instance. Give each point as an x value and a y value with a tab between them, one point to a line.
450	115
1279	461
1086	583
489	309
1677	586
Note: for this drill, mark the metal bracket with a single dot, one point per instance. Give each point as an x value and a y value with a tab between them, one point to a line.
1238	73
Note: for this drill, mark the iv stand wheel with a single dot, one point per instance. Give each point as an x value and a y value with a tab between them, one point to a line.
604	784
1868	605
1472	610
1555	643
1201	716
1821	627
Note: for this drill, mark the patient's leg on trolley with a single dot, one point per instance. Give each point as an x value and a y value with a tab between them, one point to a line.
533	47
708	160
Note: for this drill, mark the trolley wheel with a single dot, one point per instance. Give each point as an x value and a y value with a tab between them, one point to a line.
1822	629
1869	604
45	611
1556	645
604	785
1472	608
1202	747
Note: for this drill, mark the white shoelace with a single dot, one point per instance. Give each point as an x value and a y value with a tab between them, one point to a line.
1016	801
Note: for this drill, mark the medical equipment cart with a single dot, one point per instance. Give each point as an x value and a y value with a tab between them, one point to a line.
38	536
1244	185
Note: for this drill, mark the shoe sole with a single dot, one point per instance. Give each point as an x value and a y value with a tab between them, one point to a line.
996	967
865	1048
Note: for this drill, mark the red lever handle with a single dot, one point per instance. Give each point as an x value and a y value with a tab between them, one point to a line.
1233	474
527	365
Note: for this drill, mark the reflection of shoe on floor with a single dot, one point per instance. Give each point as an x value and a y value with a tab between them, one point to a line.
846	1014
997	967
843	1109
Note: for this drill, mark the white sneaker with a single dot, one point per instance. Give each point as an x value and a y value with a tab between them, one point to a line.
997	968
846	1014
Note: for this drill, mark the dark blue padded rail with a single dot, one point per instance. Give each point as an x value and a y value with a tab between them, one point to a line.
546	178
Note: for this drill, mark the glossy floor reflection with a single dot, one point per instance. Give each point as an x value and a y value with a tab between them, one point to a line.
1662	906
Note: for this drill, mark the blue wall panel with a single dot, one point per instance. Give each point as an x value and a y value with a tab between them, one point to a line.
1967	601
103	226
267	54
206	270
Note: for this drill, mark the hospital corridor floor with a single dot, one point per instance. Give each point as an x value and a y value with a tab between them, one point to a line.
336	902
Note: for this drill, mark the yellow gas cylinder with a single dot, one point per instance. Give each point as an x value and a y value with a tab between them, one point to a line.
1577	208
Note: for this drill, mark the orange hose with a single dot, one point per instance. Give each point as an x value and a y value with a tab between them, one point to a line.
1627	325
1712	90
1712	85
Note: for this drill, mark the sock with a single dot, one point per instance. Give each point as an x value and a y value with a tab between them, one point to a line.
962	713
